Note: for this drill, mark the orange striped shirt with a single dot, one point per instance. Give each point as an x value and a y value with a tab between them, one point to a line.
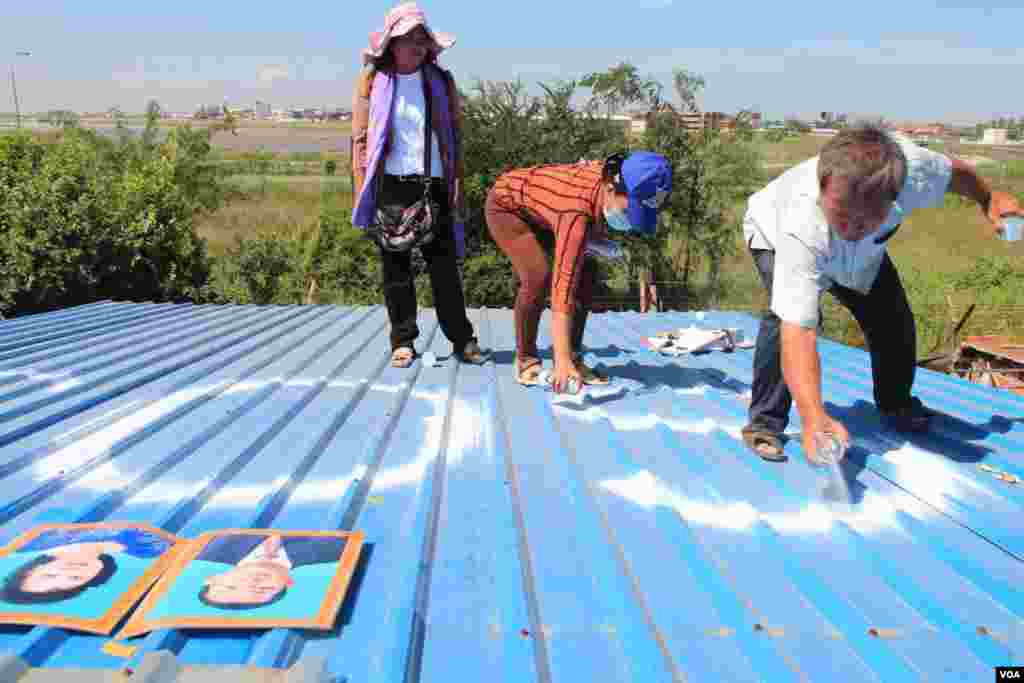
564	199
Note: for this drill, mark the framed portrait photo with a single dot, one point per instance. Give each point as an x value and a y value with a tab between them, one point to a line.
252	578
85	577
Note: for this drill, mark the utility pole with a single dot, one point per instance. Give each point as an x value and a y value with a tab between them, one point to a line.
14	87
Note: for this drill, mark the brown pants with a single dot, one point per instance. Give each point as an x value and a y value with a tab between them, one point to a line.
522	243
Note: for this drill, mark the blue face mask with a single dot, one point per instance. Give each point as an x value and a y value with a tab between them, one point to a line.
616	219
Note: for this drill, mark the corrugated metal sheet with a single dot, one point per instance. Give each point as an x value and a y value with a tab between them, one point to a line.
633	539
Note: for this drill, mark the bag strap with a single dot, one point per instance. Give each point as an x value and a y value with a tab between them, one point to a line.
428	142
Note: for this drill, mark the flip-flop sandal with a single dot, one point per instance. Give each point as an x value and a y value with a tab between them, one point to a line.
765	443
403	357
529	376
472	354
591	376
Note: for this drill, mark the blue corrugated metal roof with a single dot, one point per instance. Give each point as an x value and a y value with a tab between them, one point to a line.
634	539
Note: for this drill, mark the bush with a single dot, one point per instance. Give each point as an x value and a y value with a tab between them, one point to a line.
345	261
263	270
713	172
504	129
87	218
489	280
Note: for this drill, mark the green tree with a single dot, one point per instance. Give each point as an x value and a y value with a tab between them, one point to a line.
795	125
713	172
688	86
82	219
89	217
620	86
62	118
505	128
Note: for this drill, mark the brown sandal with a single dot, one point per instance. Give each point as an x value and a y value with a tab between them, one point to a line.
529	375
473	354
765	443
403	357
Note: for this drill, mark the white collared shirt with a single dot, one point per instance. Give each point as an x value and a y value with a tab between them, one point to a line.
809	255
259	554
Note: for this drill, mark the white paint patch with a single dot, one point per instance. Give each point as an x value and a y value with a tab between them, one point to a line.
466	433
812	518
245	387
99	443
94	421
426	395
413	472
933	473
645	489
33	374
246	495
58	381
319	490
107	477
346	384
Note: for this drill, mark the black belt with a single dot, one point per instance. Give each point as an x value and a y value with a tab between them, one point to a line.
414	178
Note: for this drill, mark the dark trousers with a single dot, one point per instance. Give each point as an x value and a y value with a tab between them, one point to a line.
888	324
445	283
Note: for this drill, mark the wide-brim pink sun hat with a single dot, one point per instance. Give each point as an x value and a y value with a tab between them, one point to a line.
399	21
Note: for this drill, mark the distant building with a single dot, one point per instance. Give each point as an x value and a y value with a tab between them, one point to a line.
625	121
697	121
637	122
994	136
932	130
693	121
242	112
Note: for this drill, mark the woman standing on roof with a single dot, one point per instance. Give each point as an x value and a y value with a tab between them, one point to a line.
575	203
402	95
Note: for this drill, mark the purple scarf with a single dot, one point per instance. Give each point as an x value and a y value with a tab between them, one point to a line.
382	101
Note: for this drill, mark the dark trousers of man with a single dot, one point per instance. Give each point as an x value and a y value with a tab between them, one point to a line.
888	324
440	256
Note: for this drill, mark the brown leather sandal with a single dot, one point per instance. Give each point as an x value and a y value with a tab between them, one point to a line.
473	354
529	374
765	443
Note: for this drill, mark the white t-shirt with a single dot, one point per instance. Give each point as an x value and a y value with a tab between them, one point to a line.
809	255
406	153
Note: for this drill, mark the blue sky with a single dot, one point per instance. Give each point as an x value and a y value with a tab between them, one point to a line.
950	59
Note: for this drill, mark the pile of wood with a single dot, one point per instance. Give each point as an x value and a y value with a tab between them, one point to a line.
992	360
995	361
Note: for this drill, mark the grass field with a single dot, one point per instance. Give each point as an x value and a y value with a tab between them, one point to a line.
275	205
139	120
791	151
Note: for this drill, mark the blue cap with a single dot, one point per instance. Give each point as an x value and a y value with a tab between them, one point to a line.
648	180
